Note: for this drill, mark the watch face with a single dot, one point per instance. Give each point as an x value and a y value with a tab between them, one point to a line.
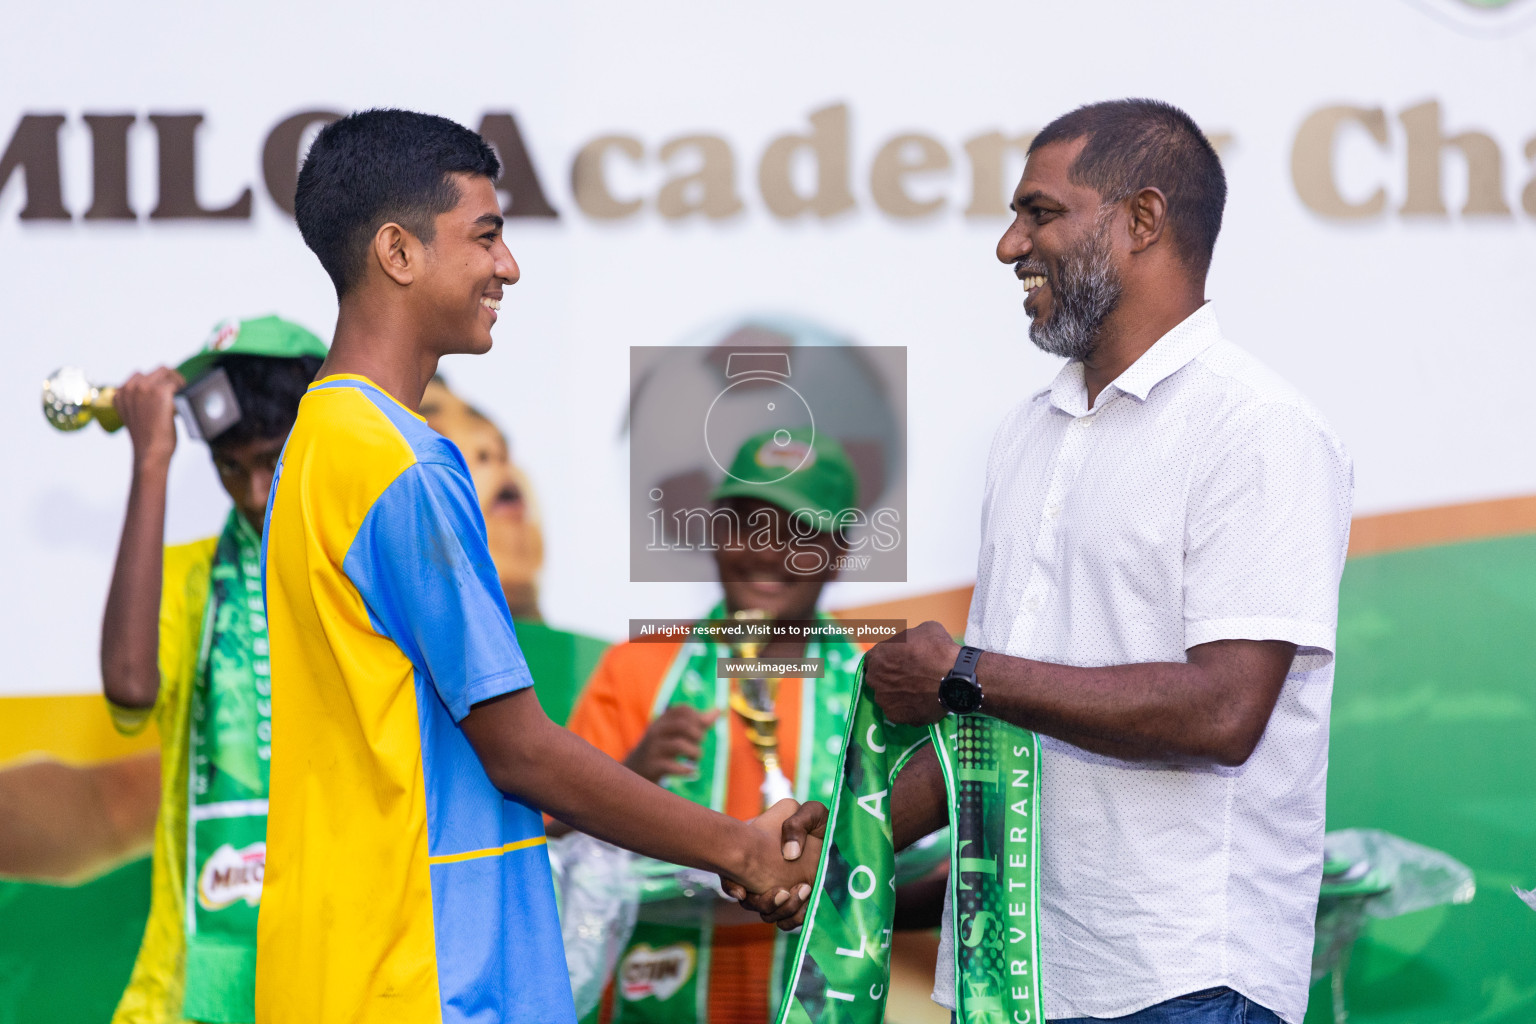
960	695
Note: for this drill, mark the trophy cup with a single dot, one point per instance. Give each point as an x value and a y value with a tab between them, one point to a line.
70	401
754	700
207	407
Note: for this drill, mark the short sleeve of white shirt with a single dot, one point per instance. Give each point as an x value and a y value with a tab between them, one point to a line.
1267	525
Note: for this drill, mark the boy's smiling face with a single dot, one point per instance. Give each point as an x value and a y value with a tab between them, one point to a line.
468	268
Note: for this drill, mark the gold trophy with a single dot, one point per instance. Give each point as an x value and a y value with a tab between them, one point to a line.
70	401
755	700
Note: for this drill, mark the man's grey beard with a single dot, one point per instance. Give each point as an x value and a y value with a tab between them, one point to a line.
1086	290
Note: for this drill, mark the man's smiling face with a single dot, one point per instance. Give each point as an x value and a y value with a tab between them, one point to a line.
1060	247
470	266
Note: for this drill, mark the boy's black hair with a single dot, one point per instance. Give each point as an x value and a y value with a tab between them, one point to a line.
1135	144
377	166
268	389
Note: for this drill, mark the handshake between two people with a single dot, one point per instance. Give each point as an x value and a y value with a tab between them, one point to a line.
786	838
791	834
902	676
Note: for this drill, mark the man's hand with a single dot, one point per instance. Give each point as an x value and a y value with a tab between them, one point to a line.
903	673
799	839
671	746
145	403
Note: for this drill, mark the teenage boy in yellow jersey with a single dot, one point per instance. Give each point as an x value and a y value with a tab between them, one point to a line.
183	641
407	879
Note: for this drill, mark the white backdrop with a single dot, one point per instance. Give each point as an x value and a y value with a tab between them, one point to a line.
1412	333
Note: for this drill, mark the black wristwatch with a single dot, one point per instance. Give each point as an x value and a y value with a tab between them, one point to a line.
959	691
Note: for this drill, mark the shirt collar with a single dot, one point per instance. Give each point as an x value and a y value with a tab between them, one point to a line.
342	380
1169	354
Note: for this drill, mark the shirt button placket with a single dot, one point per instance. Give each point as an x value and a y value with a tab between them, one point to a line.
1070	455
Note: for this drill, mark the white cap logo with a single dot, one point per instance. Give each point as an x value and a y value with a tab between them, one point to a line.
224	335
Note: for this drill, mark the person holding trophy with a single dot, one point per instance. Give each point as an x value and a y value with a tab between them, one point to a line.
736	745
183	642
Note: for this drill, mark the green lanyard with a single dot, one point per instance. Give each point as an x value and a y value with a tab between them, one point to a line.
230	754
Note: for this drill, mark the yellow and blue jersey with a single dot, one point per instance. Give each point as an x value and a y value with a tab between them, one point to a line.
401	885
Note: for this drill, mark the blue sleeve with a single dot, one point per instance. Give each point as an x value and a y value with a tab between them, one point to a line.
421	564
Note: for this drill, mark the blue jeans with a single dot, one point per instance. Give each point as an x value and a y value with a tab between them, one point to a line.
1212	1006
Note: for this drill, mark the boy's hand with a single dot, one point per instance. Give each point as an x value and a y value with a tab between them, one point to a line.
672	744
799	837
145	403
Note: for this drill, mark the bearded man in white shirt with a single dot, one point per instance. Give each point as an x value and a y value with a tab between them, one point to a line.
1162	536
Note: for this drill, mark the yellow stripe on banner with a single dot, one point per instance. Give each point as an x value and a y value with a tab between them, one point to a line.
495	851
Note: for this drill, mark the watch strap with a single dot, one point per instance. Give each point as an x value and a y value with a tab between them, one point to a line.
965	662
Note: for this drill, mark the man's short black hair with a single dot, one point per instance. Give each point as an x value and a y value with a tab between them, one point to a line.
1136	144
268	389
377	166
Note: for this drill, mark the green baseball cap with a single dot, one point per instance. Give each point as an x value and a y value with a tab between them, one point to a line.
263	336
794	469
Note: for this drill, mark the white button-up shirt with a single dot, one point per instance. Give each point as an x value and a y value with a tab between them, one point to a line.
1200	499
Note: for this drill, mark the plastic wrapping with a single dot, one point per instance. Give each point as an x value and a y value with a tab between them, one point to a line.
1528	895
660	882
1417	876
1369	873
598	892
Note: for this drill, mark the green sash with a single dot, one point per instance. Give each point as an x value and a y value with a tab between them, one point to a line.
230	753
663	973
842	962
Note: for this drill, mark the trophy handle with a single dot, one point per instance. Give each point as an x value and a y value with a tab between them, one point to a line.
104	409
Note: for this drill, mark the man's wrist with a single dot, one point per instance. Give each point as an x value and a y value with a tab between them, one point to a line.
988	698
1000	686
944	660
959	690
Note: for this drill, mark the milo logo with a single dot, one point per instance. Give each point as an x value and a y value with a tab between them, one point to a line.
656	973
230	875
